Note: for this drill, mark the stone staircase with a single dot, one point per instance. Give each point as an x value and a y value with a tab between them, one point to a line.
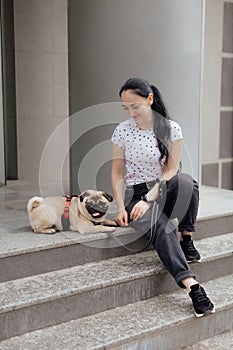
72	291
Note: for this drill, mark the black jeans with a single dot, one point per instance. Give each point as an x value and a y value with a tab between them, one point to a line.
181	202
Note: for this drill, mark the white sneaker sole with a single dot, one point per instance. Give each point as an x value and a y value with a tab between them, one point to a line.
205	313
194	261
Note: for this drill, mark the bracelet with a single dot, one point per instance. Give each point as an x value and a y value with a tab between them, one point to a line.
143	198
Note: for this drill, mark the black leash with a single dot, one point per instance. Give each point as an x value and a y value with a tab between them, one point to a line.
154	215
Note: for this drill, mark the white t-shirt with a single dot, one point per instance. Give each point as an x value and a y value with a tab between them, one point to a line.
141	150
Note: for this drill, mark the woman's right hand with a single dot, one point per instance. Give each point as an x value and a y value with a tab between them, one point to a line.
122	218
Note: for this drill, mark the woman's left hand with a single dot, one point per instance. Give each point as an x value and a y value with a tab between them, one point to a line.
139	210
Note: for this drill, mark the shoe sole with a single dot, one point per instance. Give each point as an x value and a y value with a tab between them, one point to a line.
194	260
208	312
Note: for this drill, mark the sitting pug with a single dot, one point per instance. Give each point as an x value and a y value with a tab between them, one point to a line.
86	213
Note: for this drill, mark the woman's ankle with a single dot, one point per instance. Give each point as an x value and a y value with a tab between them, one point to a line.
185	234
189	282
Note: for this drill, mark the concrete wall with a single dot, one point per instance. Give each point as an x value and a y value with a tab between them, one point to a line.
41	65
8	58
2	142
217	103
110	41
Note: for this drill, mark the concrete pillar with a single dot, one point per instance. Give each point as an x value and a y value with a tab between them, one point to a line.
41	64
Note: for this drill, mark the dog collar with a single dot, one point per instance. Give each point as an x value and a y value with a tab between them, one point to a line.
65	220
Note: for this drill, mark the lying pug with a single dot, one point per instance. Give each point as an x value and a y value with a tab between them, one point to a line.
86	213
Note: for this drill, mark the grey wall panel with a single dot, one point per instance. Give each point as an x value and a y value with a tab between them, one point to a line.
9	97
2	141
110	41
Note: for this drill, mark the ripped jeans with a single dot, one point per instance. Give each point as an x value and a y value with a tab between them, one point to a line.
181	202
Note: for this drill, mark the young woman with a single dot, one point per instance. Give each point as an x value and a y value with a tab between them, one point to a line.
146	150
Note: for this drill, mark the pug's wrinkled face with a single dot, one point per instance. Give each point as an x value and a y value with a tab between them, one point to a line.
94	204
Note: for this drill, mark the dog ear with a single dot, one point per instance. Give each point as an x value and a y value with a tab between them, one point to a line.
83	195
107	196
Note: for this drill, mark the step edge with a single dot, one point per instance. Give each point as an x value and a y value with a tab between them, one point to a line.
186	318
99	236
214	216
160	269
81	240
154	331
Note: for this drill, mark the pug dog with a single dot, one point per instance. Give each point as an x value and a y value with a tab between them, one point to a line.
87	213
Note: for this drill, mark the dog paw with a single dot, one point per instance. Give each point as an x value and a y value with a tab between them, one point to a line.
51	231
110	223
48	231
107	228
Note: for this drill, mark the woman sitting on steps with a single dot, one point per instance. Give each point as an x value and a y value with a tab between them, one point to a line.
148	146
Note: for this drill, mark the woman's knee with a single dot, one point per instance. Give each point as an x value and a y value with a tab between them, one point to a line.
183	180
187	181
182	188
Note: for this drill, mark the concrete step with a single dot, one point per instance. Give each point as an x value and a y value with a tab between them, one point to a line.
39	301
164	322
36	254
213	225
215	215
223	341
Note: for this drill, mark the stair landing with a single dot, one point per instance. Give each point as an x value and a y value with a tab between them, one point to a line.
16	235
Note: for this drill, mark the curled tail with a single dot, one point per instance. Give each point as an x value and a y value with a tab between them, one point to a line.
34	203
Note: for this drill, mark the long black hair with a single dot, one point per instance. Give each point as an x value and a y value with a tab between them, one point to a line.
162	128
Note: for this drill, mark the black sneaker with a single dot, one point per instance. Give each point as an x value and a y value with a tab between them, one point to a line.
190	252
201	303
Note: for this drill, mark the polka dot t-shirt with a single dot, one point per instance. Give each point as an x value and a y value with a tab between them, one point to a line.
141	150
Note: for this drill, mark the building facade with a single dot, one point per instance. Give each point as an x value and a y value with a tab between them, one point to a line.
217	104
187	49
